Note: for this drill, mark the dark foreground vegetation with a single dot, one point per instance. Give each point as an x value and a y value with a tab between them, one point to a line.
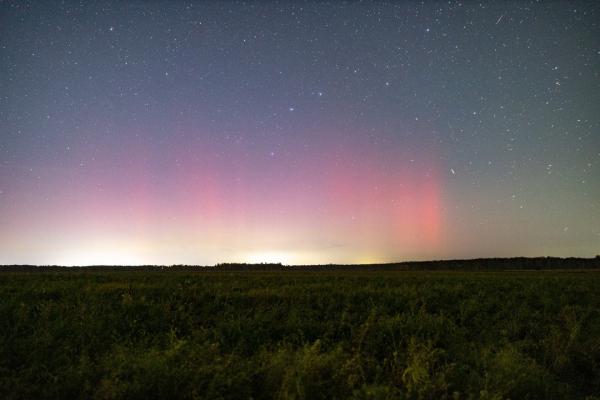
300	335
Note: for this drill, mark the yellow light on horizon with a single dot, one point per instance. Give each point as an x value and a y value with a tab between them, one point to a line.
99	256
270	257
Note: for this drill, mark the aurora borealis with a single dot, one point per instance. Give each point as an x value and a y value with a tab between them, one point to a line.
319	132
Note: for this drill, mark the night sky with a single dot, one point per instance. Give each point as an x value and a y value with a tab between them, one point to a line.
318	132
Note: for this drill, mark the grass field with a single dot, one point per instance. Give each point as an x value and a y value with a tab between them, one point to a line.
300	335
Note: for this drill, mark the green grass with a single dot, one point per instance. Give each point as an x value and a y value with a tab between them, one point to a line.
300	335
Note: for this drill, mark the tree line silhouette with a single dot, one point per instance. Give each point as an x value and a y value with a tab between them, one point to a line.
479	264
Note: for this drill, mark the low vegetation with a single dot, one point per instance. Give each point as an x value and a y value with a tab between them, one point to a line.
300	335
